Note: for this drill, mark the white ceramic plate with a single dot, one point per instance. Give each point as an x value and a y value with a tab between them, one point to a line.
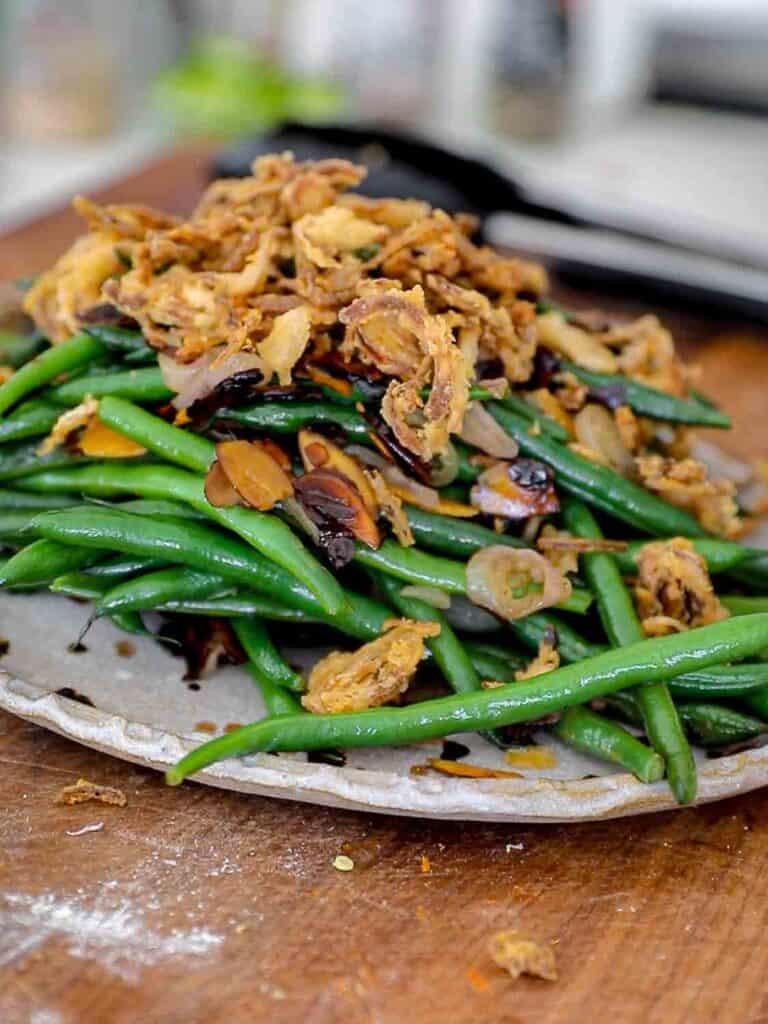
144	712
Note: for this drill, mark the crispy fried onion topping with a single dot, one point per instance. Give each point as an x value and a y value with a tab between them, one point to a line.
673	590
374	674
391	507
393	330
686	484
547	658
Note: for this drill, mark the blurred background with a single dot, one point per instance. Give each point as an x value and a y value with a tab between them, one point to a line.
644	115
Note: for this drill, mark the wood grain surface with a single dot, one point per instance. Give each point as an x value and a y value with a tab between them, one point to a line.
195	905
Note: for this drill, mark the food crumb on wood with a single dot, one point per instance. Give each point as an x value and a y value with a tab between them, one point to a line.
125	649
343	863
82	791
477	980
425	864
518	955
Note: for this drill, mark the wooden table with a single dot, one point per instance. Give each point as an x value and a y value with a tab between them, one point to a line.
195	905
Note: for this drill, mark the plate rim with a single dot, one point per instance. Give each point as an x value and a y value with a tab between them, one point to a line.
526	799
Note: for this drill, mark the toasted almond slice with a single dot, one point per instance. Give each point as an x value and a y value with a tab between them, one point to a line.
330	497
254	474
219	492
318	452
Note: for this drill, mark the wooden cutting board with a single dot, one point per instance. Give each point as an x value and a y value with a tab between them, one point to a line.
195	905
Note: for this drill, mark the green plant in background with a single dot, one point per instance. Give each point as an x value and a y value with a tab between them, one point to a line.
222	87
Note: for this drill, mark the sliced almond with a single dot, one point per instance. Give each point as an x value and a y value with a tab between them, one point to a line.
219	492
330	498
318	452
254	473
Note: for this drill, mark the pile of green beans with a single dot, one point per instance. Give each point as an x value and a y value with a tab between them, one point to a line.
137	535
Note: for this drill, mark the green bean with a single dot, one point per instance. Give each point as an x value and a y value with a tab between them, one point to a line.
716	725
21	459
648	661
601	486
255	640
719	555
30	419
43	560
161	509
25	500
202	547
496	650
650	402
457	537
239	605
17	349
467	472
49	364
128	345
288	417
721	682
753	572
592	734
489	667
81	585
126	565
266	658
420	567
265	532
145	384
131	622
15	525
525	410
737	604
175	583
571	646
622	627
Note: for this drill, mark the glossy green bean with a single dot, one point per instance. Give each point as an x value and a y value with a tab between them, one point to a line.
653	403
43	560
15	525
717	725
202	547
721	682
289	416
147	591
240	605
143	384
20	459
653	660
617	613
599	485
43	368
10	499
30	419
255	640
738	604
126	565
129	346
81	585
451	536
266	658
592	734
571	646
720	555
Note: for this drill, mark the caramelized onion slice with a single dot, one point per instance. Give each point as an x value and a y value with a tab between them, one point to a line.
482	431
516	490
335	505
219	492
513	583
254	474
317	452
